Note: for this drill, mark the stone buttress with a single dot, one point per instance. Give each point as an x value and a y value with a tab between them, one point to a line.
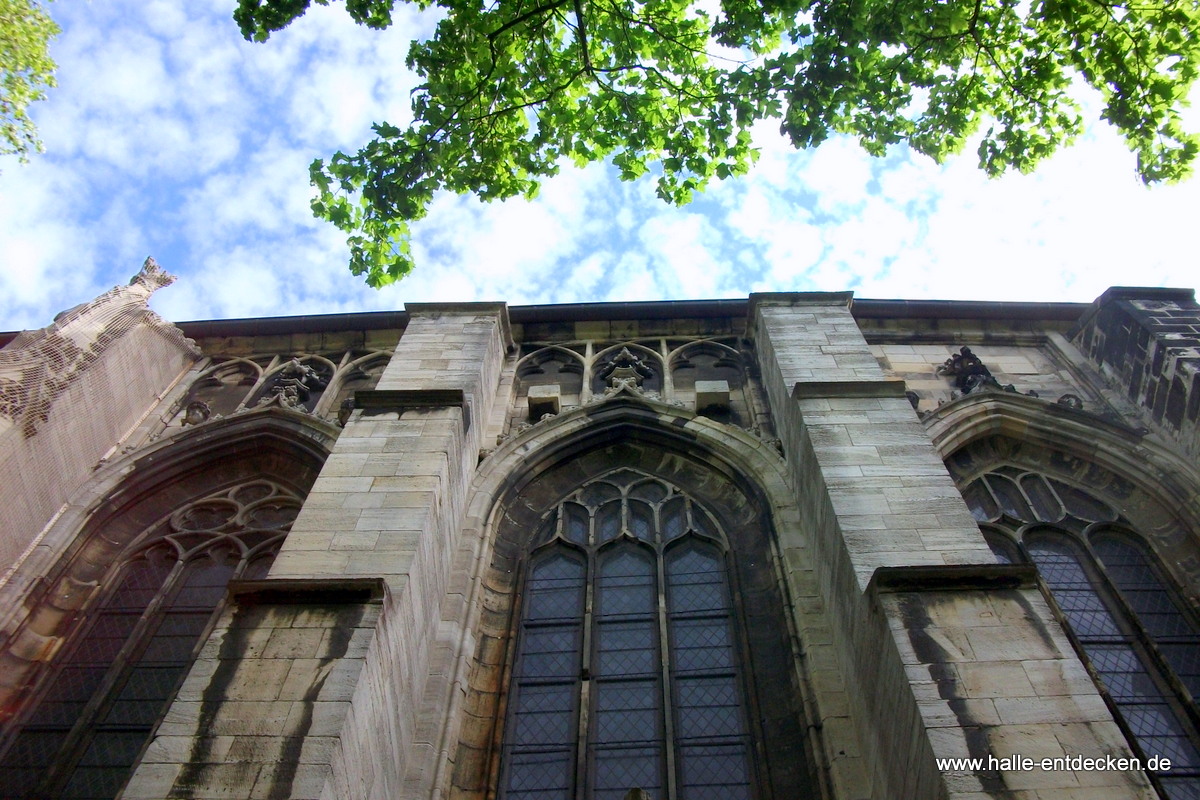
311	683
944	652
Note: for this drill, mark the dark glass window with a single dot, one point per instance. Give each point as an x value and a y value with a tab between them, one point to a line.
1129	622
96	707
627	669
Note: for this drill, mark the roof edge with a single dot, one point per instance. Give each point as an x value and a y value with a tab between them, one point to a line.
653	309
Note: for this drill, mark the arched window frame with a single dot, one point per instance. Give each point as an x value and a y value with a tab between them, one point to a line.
1018	524
600	542
245	526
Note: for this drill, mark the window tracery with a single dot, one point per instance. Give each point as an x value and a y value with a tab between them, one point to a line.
708	375
1128	619
628	666
94	709
308	382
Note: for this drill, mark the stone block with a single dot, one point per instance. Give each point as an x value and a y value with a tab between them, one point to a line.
712	395
544	400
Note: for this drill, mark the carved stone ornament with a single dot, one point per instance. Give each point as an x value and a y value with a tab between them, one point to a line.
971	375
196	412
1072	401
294	386
626	370
345	410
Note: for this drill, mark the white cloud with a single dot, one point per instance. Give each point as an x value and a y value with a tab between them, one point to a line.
169	135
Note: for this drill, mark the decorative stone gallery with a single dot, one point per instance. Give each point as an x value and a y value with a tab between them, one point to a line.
793	547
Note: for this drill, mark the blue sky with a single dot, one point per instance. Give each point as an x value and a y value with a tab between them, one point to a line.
170	136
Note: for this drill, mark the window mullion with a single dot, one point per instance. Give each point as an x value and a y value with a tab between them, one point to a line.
585	677
667	689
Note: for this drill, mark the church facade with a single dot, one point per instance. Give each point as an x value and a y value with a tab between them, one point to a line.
793	546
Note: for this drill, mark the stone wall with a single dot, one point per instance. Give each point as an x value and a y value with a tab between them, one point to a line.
880	506
70	394
1147	343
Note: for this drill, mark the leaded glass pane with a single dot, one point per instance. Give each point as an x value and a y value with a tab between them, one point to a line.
707	708
650	491
714	772
627	727
575	524
1138	583
1082	504
697	584
541	775
1181	788
142	580
626	584
627	711
545	715
701	523
1127	672
1002	547
1160	733
617	769
539	743
1010	498
204	581
555	590
608	521
595	494
96	783
124	664
1045	505
1155	606
710	733
641	520
1122	672
1059	564
1185	660
551	652
980	501
628	648
258	568
702	644
674	523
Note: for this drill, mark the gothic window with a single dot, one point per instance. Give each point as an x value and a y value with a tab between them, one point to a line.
628	670
1133	628
97	706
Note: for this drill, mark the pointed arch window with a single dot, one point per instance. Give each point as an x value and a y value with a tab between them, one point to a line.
95	708
627	671
1127	618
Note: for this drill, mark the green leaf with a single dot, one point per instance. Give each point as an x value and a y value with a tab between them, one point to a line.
511	91
26	72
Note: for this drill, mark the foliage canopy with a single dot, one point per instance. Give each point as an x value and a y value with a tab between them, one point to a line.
511	88
26	71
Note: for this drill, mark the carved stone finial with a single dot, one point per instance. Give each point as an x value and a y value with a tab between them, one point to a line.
38	366
152	276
